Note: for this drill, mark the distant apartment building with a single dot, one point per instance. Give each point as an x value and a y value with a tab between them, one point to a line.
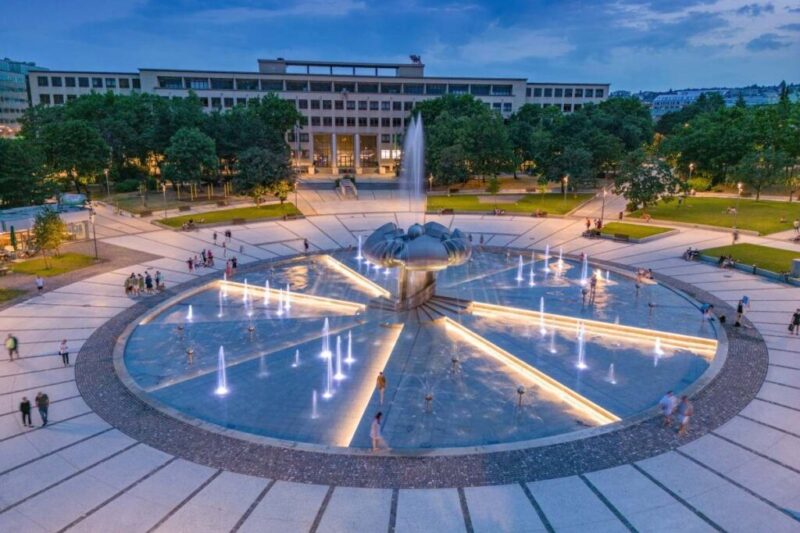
354	114
14	93
751	96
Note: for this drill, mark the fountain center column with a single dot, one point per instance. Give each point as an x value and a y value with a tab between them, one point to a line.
414	287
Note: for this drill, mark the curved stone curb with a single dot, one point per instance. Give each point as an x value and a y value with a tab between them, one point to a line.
723	397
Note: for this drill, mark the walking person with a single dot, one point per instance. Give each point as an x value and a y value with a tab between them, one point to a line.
148	283
42	404
63	351
39	284
12	345
375	433
224	249
796	225
739	314
794	327
380	384
685	412
140	284
210	256
25	409
667	406
305	245
158	280
190	264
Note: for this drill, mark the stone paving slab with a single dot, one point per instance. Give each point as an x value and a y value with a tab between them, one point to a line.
767	441
584	510
280	509
429	510
354	509
786	396
501	508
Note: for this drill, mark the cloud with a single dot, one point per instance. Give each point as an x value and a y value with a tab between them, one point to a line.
302	8
790	27
507	45
768	41
755	10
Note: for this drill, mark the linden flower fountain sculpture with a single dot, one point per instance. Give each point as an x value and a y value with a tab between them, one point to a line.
419	254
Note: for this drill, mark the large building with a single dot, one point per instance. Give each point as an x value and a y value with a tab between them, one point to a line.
13	93
354	113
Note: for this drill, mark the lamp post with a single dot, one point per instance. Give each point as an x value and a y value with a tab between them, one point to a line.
603	207
430	183
94	232
565	181
164	190
691	170
108	187
740	188
295	194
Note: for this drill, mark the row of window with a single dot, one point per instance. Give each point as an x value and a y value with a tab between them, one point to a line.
561	92
386	138
57	99
351	105
12	110
84	81
363	122
246	84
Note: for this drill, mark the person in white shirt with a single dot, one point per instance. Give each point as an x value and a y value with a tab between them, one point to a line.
39	284
667	405
375	433
63	351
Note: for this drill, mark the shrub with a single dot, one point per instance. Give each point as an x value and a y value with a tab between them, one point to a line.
130	185
699	184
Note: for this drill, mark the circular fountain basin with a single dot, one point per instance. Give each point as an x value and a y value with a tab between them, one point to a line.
454	366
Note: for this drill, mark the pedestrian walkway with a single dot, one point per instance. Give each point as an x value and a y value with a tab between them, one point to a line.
82	474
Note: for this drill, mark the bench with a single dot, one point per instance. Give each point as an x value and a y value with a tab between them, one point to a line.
622	237
447	212
238	221
184	208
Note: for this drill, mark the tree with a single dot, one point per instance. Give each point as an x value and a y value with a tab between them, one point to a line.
191	156
48	232
644	179
451	166
487	146
261	171
493	187
22	174
73	151
761	168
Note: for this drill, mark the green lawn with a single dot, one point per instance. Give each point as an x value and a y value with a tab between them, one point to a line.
58	265
765	257
132	202
634	231
763	216
227	215
553	204
10	294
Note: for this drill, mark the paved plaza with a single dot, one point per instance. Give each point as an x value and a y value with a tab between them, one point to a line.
86	472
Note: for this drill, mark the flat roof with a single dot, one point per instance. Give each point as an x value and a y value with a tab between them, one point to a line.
88	72
563	83
304	63
322	75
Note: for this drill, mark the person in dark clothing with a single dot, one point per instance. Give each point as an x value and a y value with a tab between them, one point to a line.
305	245
12	344
25	409
43	404
739	314
796	322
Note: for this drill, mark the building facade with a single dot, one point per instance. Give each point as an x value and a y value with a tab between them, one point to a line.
14	93
354	114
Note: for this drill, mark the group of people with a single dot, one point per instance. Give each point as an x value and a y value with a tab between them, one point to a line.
691	254
205	259
726	261
138	284
670	406
42	402
598	224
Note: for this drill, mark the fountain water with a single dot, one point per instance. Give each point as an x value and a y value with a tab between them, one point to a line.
262	367
532	272
224	285
581	350
612	377
314	414
542	329
222	377
657	352
339	376
412	172
553	340
219	315
326	340
349	359
296	362
245	294
329	380
266	293
608	276
189	314
546	259
585	270
560	258
520	267
287	304
359	256
279	311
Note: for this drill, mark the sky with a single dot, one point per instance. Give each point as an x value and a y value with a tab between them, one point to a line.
632	44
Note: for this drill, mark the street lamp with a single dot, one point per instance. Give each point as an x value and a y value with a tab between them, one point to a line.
430	183
603	208
295	194
565	181
94	232
164	190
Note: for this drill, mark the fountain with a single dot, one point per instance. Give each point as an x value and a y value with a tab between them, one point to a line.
189	314
612	377
287	304
222	377
245	292
314	414
581	350
560	259
608	276
262	367
329	379
532	272
349	359
657	352
553	340
546	259
585	269
279	312
359	257
520	267
219	315
224	285
296	362
266	293
326	340
339	376
412	169
542	329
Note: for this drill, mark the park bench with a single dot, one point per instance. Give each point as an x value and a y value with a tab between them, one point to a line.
184	208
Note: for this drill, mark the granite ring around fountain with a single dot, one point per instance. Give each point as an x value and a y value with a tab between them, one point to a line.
733	386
